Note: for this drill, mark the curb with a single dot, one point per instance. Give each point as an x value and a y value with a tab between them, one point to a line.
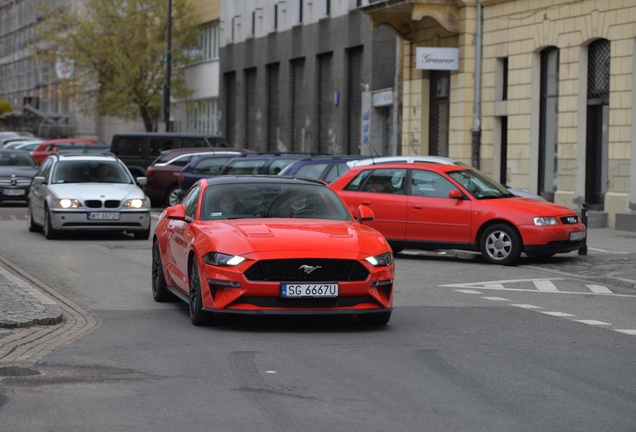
25	305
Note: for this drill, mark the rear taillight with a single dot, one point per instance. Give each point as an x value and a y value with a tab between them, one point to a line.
181	179
148	172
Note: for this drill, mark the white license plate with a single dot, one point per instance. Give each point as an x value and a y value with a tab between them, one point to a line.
579	235
13	192
103	216
309	290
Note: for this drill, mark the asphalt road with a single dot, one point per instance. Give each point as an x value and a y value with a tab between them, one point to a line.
470	347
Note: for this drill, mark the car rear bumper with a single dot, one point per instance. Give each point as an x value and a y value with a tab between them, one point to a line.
128	220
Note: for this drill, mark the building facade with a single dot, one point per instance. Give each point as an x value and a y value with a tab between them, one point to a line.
307	76
198	113
541	98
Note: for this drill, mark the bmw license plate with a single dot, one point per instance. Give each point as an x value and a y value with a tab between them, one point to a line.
579	235
103	216
13	192
309	290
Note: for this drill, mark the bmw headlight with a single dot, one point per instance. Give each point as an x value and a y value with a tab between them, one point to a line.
136	203
221	259
546	221
384	259
67	203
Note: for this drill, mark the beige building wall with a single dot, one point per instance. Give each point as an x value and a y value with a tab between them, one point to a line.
519	30
207	10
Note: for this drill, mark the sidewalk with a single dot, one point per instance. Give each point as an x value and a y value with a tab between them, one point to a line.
611	258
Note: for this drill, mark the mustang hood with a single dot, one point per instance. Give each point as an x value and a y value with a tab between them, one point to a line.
262	235
105	191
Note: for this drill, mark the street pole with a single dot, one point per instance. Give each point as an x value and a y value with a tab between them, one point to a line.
166	87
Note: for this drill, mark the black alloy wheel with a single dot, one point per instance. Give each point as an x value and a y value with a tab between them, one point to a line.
160	290
197	315
376	319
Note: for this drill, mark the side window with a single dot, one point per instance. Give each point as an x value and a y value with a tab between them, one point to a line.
278	165
181	161
311	170
336	171
131	146
45	169
210	166
430	184
357	181
191	201
192	143
157	145
386	180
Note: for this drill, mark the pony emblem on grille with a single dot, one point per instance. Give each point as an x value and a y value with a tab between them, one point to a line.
308	269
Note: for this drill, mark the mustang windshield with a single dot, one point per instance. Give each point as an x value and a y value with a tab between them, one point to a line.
271	201
83	171
479	185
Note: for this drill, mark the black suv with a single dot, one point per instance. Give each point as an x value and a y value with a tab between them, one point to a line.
139	150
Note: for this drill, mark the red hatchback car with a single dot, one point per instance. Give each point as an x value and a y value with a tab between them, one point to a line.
48	147
271	245
433	206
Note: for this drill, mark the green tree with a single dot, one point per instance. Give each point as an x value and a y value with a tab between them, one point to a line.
118	52
5	107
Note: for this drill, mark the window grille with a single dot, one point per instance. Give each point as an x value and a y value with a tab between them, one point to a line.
273	105
354	99
297	104
439	115
326	141
598	71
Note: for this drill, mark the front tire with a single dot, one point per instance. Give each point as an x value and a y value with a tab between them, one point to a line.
197	315
501	244
159	287
49	232
33	227
142	235
376	319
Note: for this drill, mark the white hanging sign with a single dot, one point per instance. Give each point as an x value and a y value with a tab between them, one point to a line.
64	68
427	58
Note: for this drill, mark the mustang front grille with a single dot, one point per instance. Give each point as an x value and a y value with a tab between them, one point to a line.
307	270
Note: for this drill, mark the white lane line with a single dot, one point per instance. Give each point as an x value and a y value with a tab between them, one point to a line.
545	286
469	291
526	306
557	314
495	283
592	322
495	298
599	289
629	332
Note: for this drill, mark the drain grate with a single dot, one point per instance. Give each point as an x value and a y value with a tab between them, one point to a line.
16	371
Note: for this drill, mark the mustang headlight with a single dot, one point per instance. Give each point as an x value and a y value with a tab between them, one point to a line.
546	221
135	203
384	259
67	203
221	259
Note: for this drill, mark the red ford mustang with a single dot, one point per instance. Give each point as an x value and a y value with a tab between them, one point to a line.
435	206
271	245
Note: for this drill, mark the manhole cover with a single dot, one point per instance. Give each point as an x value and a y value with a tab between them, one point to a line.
15	371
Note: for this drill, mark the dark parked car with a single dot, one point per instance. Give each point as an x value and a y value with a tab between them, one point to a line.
139	150
327	168
200	167
17	169
163	174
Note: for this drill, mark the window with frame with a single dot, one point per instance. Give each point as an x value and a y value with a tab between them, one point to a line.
430	184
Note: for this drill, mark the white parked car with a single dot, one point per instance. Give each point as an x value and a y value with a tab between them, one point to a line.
432	159
87	192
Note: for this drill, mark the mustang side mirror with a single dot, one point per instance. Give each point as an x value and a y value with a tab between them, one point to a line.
455	194
364	213
177	212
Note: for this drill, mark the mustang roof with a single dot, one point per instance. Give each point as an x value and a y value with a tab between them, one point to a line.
269	179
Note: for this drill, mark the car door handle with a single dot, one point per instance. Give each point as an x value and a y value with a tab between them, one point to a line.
417	207
365	202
